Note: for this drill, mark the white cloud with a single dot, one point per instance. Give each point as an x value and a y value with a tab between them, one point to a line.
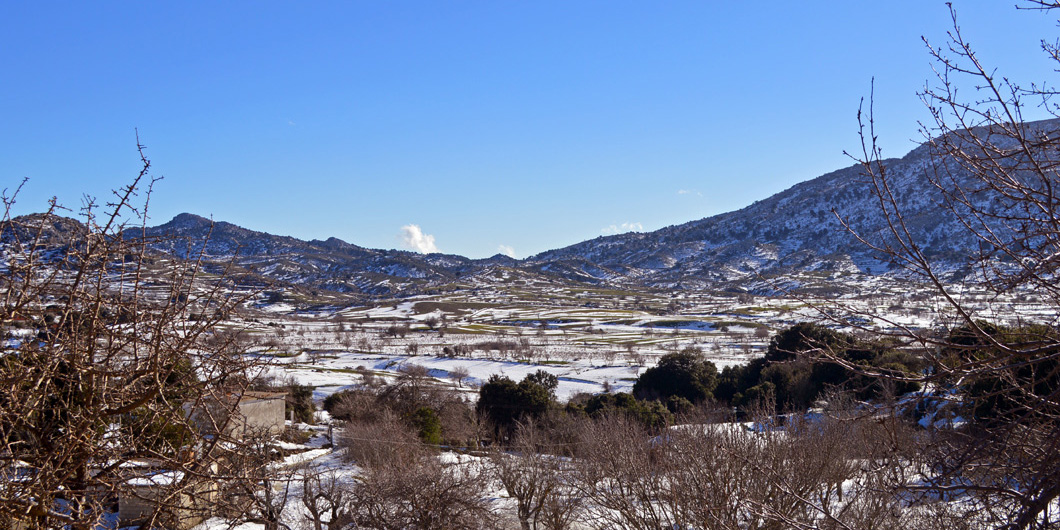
689	192
624	227
416	240
506	250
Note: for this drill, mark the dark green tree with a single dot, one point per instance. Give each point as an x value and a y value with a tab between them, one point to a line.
299	403
546	380
1013	393
505	402
651	414
427	425
805	360
684	374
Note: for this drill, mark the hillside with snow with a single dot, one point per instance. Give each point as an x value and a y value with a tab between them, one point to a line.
795	232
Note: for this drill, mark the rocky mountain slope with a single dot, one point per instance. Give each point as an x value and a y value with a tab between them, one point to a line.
792	230
795	231
333	264
798	230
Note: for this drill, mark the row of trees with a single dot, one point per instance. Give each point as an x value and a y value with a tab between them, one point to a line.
789	378
604	462
840	470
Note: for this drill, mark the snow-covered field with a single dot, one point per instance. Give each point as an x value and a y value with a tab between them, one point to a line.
592	340
338	371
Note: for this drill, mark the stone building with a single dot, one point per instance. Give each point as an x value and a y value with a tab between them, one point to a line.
155	490
186	503
251	413
259	412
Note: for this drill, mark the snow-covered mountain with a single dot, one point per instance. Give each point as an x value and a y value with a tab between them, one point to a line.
800	230
333	264
795	231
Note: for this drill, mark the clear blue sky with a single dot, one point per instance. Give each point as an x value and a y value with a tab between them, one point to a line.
529	125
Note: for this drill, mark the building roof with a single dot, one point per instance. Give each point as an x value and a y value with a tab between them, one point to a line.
254	394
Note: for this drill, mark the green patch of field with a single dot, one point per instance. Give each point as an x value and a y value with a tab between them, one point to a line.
479	328
678	323
451	307
324	356
606	293
280	354
466	330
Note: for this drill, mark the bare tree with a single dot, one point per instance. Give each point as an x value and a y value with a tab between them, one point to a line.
256	488
106	349
997	178
539	482
326	500
619	479
459	374
427	495
404	484
831	472
380	442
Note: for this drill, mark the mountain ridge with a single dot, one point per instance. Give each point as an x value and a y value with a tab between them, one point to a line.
797	230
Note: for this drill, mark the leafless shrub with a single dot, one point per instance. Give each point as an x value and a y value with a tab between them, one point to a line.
368	378
539	482
404	484
385	442
825	473
252	487
356	405
326	499
396	330
456	350
424	494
